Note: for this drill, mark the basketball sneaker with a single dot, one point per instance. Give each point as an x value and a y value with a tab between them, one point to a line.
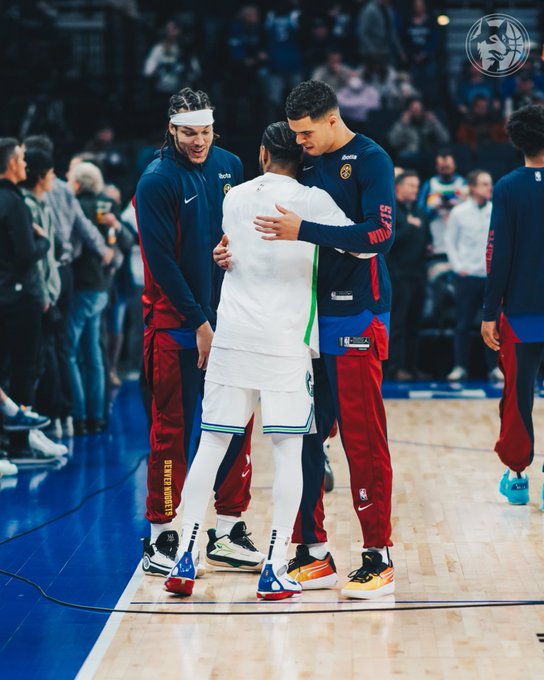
515	489
25	419
160	557
311	573
375	578
235	550
276	584
181	579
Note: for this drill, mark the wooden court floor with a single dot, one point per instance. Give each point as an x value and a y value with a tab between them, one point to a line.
457	541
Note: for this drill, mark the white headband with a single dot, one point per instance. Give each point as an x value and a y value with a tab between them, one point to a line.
202	117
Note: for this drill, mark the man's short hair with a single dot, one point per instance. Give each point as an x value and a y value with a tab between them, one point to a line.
43	142
88	177
7	150
472	177
399	179
38	164
189	100
525	128
281	142
312	98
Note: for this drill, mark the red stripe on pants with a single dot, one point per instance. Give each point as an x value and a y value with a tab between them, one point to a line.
363	429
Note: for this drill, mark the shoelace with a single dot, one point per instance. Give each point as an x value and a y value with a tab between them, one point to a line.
246	542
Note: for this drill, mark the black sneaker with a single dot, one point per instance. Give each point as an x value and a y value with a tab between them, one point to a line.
329	475
160	557
235	550
310	572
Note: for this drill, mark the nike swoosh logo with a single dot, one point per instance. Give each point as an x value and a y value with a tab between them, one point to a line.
190	199
307	167
245	474
363	507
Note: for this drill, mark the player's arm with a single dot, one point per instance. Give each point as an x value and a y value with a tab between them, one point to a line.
156	210
374	235
500	246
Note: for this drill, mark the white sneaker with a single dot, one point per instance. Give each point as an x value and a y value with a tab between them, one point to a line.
234	550
7	469
37	440
458	373
496	375
56	429
276	584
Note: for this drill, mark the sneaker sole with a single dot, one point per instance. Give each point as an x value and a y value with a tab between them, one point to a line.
317	583
388	589
228	564
179	586
280	595
23	428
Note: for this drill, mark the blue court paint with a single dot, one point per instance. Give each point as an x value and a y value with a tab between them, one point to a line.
87	557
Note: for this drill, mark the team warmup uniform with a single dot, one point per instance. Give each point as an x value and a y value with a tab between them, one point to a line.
265	338
179	212
354	299
267	318
514	295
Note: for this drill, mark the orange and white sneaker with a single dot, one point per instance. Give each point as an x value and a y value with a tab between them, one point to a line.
311	573
375	578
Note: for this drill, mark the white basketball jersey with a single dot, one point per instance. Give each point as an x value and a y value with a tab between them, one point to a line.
268	300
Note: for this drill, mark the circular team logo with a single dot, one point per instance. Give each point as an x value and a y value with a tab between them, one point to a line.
227	188
497	45
345	171
309	383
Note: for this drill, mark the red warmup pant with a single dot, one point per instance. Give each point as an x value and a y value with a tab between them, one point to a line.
520	362
176	386
348	388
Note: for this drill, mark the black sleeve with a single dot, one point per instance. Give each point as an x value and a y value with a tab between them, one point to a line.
27	247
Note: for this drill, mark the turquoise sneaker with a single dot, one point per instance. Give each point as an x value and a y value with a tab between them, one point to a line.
516	489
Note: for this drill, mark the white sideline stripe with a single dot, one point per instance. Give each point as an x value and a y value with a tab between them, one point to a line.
101	646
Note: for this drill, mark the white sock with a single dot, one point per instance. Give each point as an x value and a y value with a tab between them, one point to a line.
286	493
9	407
157	529
318	550
224	524
198	486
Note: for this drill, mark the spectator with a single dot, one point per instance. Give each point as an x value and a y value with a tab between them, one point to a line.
406	262
438	196
167	66
416	132
316	43
333	72
22	245
420	40
526	93
395	87
284	52
466	242
246	46
481	125
474	84
75	232
377	34
355	99
91	283
107	154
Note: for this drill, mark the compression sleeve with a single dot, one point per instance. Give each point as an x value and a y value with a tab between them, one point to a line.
499	253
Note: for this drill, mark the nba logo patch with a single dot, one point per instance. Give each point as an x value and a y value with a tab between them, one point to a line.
538	176
362	495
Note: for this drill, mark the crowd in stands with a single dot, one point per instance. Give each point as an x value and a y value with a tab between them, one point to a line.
387	63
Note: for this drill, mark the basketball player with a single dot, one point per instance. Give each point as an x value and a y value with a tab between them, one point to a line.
354	299
179	211
266	334
514	294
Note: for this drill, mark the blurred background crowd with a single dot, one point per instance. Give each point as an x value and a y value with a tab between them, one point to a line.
86	87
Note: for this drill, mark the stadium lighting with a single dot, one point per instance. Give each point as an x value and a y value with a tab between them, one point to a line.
443	20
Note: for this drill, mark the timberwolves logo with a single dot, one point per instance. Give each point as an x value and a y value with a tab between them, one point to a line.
227	188
497	45
345	171
309	383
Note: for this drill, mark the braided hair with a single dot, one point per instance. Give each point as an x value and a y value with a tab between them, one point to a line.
281	143
185	100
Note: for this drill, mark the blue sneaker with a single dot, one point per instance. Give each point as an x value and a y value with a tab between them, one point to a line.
182	577
276	584
25	419
516	489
